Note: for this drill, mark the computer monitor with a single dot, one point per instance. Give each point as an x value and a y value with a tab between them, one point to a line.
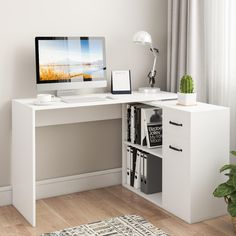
68	63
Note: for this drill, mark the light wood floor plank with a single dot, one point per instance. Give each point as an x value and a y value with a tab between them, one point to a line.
80	208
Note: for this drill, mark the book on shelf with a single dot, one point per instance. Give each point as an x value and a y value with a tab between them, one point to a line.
128	107
137	179
138	122
131	124
151	175
133	156
144	125
131	165
152	127
128	162
144	171
134	122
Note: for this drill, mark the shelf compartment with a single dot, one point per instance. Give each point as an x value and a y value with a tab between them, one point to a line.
153	151
155	198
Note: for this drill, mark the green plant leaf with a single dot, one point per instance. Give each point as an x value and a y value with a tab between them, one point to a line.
230	182
234	180
228	174
228	167
233	197
233	153
225	167
223	190
232	209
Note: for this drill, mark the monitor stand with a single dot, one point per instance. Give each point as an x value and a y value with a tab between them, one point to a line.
73	96
67	92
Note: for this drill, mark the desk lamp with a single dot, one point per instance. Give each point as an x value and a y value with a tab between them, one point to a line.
144	38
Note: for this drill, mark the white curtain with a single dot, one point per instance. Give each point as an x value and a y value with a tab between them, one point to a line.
232	71
217	50
210	57
177	42
186	44
220	56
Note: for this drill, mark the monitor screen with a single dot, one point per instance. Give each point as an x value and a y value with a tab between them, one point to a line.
70	60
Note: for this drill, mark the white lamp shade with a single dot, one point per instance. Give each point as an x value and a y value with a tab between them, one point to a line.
142	37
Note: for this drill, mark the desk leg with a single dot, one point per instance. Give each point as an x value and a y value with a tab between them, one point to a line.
23	161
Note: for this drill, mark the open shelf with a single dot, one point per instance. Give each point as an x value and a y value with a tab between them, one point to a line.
155	198
153	151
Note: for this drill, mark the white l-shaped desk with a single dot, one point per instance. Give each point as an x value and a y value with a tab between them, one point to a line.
26	117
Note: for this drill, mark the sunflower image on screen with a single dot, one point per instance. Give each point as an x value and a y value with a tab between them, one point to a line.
73	60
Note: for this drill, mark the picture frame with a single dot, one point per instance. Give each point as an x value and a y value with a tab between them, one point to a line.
121	82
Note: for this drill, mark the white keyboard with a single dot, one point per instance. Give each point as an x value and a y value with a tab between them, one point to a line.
83	99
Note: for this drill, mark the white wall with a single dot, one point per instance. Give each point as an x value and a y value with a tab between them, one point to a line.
117	20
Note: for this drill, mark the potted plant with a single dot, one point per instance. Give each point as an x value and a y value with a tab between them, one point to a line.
227	190
186	96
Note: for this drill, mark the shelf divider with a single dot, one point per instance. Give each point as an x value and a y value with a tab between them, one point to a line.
154	151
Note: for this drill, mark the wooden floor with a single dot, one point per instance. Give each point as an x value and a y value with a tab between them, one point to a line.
80	208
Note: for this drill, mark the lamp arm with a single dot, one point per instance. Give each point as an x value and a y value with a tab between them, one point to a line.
155	53
154	66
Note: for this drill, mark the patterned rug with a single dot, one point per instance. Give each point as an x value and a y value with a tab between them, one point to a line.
131	225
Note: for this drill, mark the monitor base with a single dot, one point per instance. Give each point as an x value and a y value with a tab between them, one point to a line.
66	92
149	90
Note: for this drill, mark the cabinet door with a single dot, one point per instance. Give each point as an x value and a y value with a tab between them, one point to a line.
176	164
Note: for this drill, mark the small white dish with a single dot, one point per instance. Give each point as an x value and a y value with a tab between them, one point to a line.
45	97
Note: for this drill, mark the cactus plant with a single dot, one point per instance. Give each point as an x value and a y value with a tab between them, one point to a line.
186	84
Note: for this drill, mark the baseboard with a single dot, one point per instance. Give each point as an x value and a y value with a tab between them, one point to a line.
68	184
5	196
77	183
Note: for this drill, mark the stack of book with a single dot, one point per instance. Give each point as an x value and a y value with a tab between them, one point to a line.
144	171
144	125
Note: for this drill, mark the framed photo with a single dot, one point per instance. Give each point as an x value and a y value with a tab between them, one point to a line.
120	82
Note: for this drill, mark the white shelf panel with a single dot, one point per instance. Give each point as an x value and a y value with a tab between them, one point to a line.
155	198
153	151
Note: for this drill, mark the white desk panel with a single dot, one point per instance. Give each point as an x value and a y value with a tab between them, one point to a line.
23	161
77	115
26	117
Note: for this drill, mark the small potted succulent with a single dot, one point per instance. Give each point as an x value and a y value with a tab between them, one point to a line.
186	96
227	190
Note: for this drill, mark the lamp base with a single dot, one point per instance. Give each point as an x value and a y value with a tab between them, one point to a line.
149	90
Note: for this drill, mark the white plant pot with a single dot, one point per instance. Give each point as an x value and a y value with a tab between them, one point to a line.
187	99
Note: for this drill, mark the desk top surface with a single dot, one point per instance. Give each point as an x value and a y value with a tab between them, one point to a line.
199	107
109	99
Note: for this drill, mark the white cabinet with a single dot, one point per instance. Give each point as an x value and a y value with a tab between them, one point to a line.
195	146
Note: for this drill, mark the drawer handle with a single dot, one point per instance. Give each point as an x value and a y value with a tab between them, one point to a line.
174	123
175	149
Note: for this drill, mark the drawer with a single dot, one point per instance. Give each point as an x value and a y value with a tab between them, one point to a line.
176	123
176	147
